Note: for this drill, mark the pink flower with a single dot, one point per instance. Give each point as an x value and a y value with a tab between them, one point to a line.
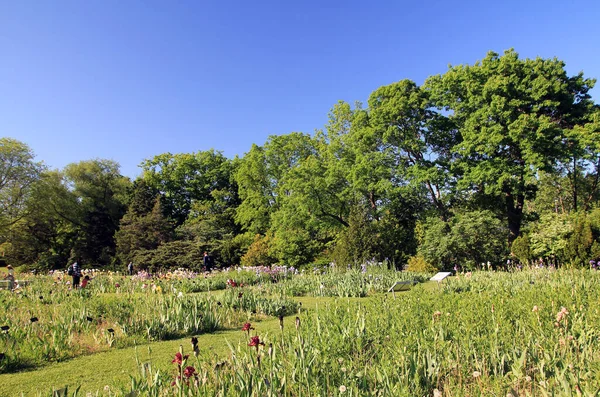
562	314
117	285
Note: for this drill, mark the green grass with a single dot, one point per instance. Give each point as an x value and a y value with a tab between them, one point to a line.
92	373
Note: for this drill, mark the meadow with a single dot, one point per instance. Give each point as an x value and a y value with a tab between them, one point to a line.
322	332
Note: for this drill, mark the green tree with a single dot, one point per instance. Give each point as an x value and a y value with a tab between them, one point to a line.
581	158
521	249
256	191
183	179
100	191
510	115
416	140
548	236
580	244
44	236
358	242
18	171
144	232
467	239
211	225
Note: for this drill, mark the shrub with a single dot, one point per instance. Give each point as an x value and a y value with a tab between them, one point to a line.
418	264
258	252
521	249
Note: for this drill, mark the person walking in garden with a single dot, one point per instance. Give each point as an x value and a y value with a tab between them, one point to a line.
10	276
207	262
75	272
130	268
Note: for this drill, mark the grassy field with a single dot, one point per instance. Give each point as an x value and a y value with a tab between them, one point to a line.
94	372
530	333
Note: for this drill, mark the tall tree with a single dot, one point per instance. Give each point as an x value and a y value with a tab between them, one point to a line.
416	139
18	171
101	193
141	232
256	191
510	115
45	234
187	177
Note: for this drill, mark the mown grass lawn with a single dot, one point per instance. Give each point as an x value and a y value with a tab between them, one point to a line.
94	372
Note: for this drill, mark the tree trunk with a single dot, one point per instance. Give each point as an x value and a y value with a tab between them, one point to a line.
574	183
514	212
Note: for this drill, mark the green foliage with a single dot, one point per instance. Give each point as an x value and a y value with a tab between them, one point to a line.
173	254
255	190
518	138
186	178
468	240
357	243
521	249
258	253
549	235
212	226
100	190
18	172
512	115
579	244
144	232
418	264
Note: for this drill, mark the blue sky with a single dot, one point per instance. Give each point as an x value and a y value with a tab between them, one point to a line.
128	80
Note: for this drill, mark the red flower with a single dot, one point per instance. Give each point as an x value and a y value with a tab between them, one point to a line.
231	283
247	327
255	341
179	358
188	372
117	285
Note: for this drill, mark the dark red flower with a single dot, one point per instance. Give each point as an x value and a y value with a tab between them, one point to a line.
231	283
247	327
188	372
179	358
255	341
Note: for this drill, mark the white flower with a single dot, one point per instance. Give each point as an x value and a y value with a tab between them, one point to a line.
476	374
342	388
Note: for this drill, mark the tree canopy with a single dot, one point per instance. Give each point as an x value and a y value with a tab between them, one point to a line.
489	162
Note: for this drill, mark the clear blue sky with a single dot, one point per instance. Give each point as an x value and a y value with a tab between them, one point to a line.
127	80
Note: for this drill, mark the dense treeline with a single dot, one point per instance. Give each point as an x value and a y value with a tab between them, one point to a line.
487	162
